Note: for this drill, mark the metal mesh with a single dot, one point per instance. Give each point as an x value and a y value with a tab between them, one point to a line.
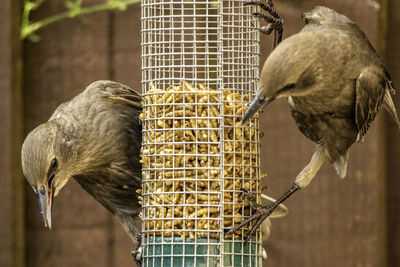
199	67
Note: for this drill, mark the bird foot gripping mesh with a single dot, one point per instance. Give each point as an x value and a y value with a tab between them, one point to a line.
199	69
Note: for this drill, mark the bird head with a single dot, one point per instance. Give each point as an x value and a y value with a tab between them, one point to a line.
259	101
323	15
272	84
44	153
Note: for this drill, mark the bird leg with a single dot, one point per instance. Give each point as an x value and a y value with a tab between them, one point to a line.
262	212
274	22
302	180
305	177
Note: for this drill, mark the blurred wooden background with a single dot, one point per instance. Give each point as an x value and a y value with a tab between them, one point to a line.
333	222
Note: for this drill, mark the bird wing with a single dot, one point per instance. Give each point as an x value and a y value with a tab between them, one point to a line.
123	95
120	92
390	108
370	92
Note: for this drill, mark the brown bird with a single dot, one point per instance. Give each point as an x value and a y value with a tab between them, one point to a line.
94	138
335	84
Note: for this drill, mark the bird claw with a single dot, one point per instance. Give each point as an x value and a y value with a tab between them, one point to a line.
250	198
274	21
262	212
266	29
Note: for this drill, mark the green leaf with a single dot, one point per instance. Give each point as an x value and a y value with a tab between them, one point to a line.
74	7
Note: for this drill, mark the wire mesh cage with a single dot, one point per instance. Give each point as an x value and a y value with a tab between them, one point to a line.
199	69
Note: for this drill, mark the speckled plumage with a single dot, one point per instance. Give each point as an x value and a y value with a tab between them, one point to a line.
95	138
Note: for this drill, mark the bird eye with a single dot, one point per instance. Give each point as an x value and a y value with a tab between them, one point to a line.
54	163
53	167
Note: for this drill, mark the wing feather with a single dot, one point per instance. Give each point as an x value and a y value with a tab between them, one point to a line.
370	92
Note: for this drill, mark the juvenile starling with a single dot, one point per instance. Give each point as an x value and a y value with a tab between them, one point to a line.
94	138
335	84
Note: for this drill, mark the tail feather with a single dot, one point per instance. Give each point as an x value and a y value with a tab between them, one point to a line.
341	164
390	108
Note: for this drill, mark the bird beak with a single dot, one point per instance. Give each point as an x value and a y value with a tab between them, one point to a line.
45	198
310	16
258	102
305	17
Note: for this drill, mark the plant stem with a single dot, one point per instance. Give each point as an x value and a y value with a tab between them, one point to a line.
33	27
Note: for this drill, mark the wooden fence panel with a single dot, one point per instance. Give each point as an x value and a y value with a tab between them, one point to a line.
392	137
6	188
127	53
6	157
331	223
11	182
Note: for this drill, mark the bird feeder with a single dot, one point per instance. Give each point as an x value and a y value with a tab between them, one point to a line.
200	66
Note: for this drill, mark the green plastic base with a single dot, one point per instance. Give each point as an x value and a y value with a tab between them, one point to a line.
172	252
